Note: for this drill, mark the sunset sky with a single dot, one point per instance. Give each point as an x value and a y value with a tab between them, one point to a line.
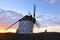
47	14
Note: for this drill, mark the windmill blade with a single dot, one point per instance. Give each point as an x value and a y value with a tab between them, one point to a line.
34	11
41	16
38	25
44	26
11	25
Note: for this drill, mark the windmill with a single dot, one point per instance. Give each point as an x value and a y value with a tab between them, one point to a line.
26	23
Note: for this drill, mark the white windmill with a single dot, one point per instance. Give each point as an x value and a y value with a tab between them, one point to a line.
26	23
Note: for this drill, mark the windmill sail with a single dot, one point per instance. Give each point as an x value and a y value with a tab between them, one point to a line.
11	25
34	11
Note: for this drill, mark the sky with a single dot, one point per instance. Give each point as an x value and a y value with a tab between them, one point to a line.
47	14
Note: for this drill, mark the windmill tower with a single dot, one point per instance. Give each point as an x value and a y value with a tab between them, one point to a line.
26	23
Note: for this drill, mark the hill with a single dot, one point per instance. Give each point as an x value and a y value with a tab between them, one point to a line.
34	36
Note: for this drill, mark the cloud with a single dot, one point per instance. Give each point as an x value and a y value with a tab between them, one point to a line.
8	17
53	22
49	21
52	1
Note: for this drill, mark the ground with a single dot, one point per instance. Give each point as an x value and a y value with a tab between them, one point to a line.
35	36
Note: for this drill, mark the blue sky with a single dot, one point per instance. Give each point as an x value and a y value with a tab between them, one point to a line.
49	9
22	6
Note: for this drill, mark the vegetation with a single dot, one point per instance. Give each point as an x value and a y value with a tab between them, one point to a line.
34	36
